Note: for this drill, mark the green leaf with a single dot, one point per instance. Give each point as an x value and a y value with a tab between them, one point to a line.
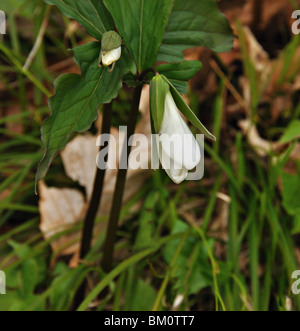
23	7
137	300
181	86
158	92
91	14
291	193
291	133
84	55
180	73
110	40
195	23
63	286
141	23
75	103
187	111
296	224
29	277
170	54
32	270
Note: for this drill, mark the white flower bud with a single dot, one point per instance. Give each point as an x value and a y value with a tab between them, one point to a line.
110	57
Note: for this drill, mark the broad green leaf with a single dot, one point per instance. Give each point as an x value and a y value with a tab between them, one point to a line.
291	193
75	103
141	23
86	54
170	54
158	92
292	132
187	111
195	23
180	73
91	14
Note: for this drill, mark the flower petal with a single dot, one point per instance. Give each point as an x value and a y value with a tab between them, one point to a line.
177	139
178	176
111	56
176	172
191	153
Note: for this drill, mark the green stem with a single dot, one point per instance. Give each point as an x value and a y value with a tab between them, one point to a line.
108	248
89	222
28	74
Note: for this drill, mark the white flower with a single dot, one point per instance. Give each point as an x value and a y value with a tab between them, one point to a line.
110	57
178	149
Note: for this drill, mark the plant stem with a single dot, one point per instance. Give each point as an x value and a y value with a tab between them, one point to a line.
89	222
87	233
257	15
108	248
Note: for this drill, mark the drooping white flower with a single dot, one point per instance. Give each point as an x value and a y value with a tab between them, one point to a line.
175	147
110	50
178	149
110	57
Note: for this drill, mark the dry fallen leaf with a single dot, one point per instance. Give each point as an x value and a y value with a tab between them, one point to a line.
258	56
77	157
60	209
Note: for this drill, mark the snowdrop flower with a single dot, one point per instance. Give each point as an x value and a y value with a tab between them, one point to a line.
178	149
110	49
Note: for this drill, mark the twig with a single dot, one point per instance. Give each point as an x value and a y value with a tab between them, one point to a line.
230	87
89	222
38	41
